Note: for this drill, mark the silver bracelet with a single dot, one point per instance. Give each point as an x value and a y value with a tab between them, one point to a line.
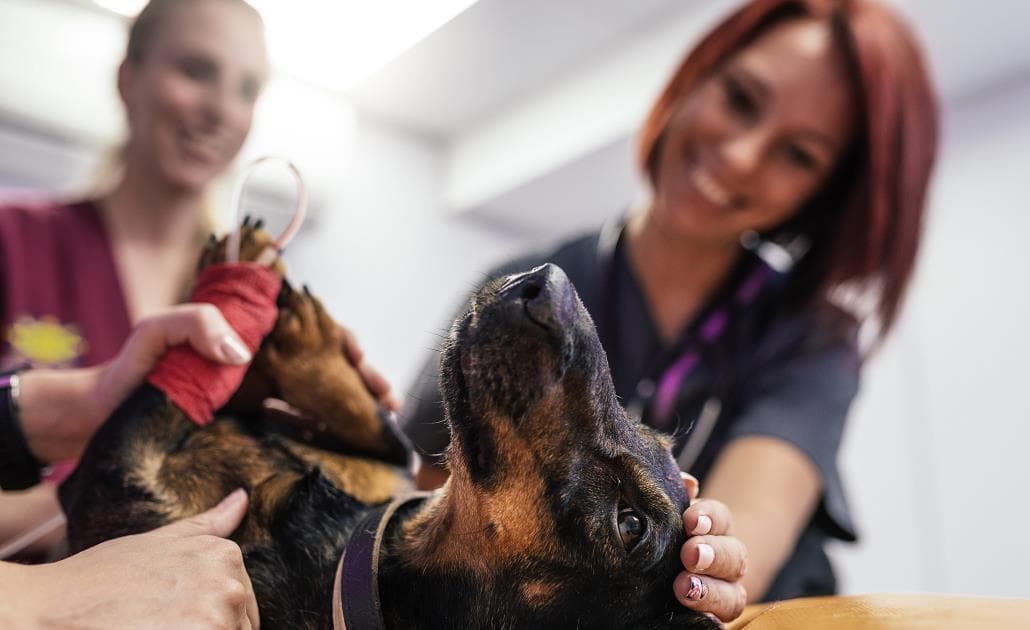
14	383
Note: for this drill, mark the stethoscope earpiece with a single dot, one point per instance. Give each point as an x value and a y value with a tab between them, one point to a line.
299	211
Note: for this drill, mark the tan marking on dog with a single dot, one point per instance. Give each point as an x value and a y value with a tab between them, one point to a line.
149	462
538	593
210	465
266	500
366	480
468	528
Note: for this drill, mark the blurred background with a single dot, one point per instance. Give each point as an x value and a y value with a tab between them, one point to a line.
441	137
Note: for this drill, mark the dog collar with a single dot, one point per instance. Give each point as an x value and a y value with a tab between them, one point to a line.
356	587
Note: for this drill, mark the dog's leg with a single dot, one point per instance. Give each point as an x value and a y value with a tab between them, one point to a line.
122	484
115	490
367	480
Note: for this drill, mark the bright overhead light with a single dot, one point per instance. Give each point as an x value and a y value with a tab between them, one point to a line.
337	43
128	8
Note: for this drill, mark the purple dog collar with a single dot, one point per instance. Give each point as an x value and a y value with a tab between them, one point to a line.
356	587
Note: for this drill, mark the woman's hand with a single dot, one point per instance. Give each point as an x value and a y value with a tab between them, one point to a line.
60	409
714	560
183	575
374	380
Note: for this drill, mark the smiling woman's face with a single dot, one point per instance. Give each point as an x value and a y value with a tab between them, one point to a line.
757	138
190	98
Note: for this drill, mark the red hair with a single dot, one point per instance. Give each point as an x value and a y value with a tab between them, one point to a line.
866	222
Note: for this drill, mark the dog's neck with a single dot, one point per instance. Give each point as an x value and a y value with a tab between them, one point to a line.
445	532
430	574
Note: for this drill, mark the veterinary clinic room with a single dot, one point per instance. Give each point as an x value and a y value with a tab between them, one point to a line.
514	314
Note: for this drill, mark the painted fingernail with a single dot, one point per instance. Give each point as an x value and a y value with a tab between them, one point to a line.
234	350
698	589
704	525
705	557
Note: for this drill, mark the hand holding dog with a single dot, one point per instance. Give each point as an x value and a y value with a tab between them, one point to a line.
713	555
60	409
183	575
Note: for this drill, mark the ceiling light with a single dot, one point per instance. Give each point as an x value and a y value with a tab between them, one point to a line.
128	8
337	43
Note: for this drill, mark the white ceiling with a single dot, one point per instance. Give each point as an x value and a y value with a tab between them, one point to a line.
504	89
500	51
532	104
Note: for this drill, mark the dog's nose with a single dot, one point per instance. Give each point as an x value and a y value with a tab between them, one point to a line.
547	297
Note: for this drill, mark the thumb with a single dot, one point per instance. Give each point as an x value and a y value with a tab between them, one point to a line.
221	520
691	484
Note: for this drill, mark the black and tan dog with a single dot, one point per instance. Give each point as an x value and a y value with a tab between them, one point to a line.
560	511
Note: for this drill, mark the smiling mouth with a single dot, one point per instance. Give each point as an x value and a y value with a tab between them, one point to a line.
714	192
198	145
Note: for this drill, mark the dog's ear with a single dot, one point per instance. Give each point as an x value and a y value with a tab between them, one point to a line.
684	620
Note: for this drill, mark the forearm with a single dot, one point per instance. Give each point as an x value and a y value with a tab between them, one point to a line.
58	410
769	545
17	610
771	488
21	510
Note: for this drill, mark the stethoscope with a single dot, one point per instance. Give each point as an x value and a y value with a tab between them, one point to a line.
657	392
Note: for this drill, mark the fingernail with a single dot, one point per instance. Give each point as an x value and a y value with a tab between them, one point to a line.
705	557
704	525
698	589
234	350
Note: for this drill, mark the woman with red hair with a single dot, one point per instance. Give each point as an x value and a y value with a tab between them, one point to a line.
788	159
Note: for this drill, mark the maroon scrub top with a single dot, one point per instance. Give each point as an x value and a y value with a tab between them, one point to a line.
61	301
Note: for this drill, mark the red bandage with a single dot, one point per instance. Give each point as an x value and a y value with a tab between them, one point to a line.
245	293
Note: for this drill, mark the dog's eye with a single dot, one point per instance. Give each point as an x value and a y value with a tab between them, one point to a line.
631	527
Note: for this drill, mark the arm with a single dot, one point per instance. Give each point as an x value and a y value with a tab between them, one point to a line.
60	409
778	468
126	580
767	490
141	581
772	489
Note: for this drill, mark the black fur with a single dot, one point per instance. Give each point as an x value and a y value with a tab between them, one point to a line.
533	415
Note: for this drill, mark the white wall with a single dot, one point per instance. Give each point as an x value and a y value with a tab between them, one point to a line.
387	261
936	454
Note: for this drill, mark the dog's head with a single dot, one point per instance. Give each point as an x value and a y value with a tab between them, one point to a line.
560	508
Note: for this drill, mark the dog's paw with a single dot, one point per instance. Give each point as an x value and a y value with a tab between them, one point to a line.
304	351
302	328
256	245
304	357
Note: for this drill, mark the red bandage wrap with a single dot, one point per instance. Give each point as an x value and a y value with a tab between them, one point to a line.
245	293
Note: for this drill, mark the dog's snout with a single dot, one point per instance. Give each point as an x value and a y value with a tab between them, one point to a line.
547	297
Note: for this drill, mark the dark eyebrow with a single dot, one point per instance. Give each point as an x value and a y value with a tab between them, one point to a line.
821	138
749	80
